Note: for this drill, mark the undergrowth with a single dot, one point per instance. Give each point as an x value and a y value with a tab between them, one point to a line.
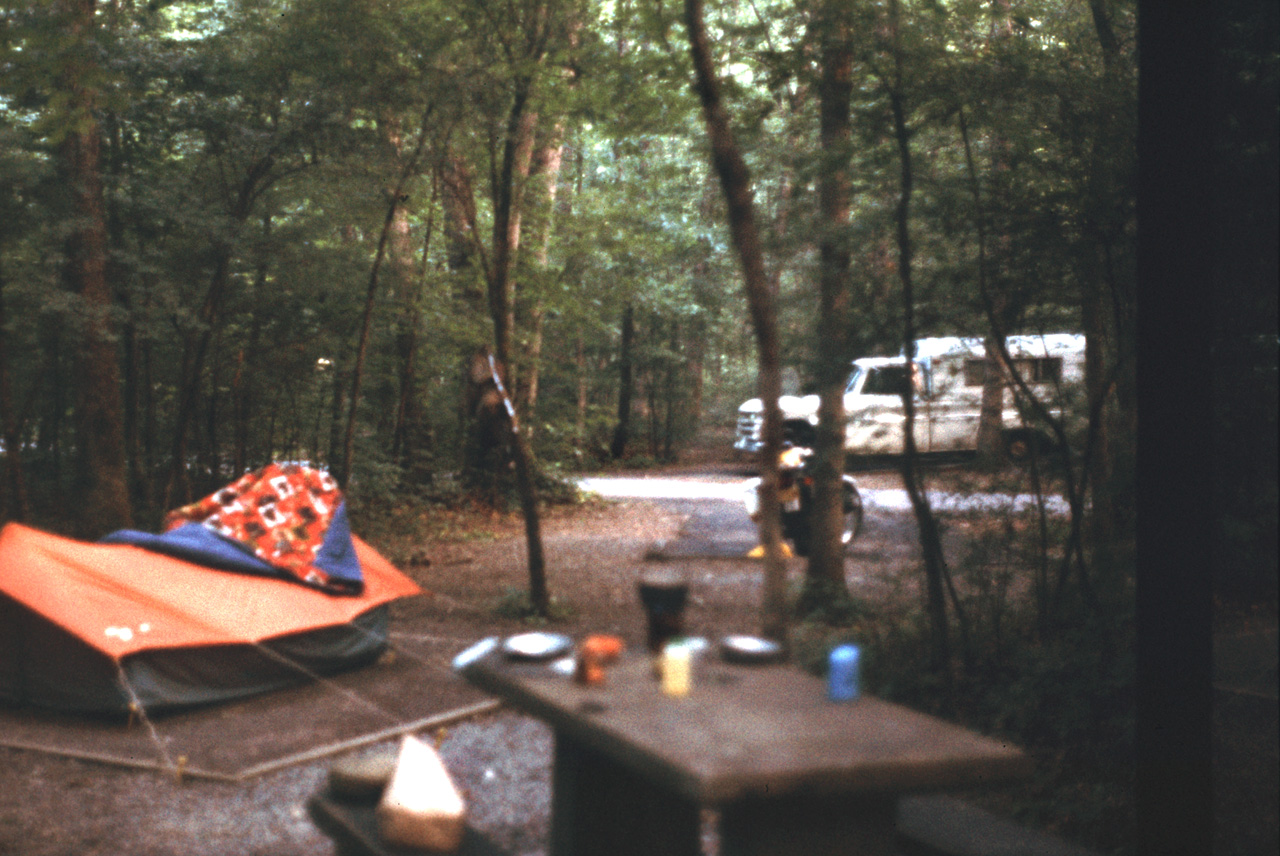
448	510
1063	690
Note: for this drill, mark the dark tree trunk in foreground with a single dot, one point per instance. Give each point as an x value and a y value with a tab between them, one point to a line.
736	183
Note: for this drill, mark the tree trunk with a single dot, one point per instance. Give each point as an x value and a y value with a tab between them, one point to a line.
544	170
735	180
991	414
394	205
994	289
15	503
506	243
101	471
411	433
936	574
825	579
930	537
626	385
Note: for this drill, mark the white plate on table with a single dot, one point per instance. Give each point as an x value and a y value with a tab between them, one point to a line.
750	649
536	646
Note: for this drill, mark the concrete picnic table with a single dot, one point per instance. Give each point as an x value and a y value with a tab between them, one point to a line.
790	771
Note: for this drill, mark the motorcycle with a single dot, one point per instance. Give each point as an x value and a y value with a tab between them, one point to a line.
795	493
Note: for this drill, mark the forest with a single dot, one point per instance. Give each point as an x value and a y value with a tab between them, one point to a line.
376	235
236	232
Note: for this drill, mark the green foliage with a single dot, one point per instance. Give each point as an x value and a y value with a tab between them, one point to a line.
1069	702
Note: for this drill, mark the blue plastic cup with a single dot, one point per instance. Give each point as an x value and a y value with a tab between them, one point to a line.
843	673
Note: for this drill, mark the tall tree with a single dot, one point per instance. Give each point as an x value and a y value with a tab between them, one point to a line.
13	499
937	578
825	580
626	383
1107	281
101	471
395	207
523	41
735	180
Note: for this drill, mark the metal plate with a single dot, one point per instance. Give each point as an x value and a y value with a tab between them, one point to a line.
750	649
536	646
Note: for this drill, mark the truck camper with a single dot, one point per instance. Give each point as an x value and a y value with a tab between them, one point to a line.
947	378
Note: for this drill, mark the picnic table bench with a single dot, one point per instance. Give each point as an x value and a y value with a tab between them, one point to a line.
790	772
352	824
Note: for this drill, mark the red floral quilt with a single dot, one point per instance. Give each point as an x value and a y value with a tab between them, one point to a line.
281	513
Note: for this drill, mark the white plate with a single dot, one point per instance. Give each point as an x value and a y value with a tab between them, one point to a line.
750	649
474	653
536	646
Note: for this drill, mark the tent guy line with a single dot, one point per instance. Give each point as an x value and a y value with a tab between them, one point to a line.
179	767
137	710
427	723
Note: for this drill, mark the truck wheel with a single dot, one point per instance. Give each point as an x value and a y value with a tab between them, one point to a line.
1021	446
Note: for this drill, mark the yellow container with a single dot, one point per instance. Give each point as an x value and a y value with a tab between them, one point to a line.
677	669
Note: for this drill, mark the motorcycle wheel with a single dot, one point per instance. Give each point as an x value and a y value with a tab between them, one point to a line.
852	513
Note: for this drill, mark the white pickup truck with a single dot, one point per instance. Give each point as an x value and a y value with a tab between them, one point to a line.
948	400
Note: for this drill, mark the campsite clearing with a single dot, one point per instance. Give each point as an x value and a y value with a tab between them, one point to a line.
53	805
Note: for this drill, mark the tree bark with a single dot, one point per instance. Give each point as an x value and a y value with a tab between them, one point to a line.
394	205
825	580
16	506
994	289
626	385
544	170
735	180
412	426
991	413
506	242
101	471
936	575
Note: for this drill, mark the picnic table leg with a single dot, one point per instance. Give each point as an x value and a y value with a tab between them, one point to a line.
808	825
599	808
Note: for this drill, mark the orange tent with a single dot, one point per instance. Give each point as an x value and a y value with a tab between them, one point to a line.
100	626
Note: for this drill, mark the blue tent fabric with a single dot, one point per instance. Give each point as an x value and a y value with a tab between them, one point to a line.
337	555
193	542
